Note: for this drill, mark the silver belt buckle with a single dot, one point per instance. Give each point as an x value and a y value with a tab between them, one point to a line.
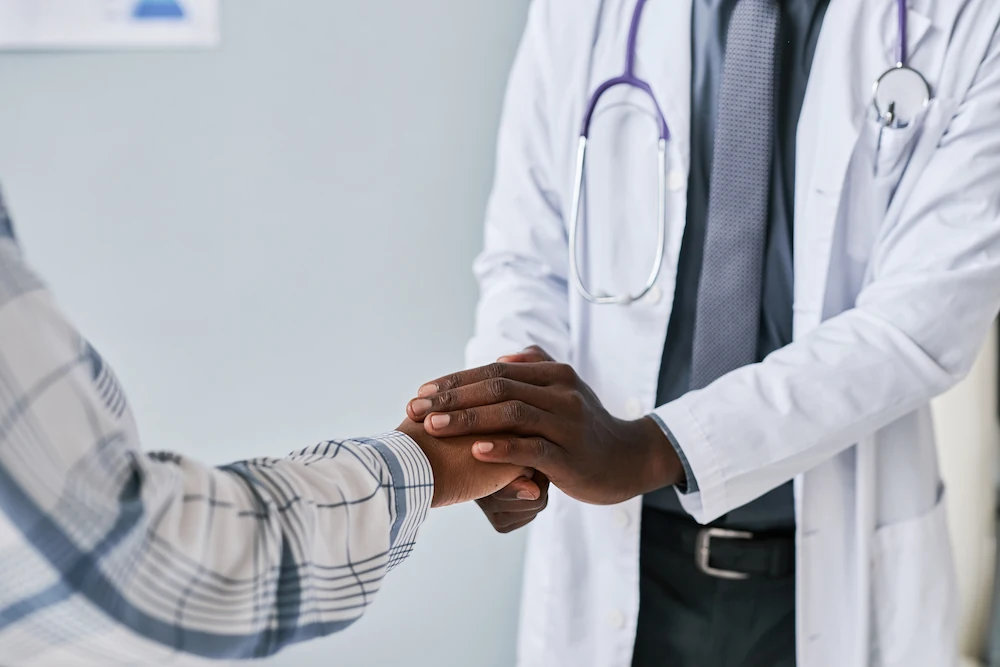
703	551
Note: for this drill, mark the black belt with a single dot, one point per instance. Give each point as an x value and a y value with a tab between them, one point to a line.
720	551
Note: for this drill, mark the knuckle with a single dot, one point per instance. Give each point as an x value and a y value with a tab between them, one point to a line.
445	400
515	411
468	418
496	388
494	370
565	373
449	382
576	401
510	446
539	446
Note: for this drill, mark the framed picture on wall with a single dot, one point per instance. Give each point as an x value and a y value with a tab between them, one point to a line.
108	24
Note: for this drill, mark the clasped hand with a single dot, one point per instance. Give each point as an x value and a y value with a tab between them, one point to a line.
553	424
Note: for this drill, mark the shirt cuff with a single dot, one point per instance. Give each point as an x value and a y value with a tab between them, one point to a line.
410	490
690	484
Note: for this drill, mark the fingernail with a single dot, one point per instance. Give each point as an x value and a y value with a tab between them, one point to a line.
484	448
525	495
427	390
421	406
440	421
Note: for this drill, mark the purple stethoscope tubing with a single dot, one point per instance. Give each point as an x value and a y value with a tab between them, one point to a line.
627	79
901	51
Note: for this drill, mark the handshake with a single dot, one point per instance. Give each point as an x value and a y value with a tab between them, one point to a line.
502	433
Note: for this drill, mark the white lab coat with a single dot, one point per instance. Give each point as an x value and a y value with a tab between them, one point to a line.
897	279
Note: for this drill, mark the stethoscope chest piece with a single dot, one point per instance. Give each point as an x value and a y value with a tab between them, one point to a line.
900	95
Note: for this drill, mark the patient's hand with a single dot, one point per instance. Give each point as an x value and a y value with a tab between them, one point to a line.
458	476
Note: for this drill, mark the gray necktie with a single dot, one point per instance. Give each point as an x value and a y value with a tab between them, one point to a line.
727	320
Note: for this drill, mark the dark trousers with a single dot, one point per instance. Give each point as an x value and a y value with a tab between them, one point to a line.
690	619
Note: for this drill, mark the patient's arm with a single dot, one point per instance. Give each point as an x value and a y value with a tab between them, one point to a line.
110	555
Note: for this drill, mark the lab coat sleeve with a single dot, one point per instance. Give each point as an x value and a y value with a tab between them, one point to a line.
690	483
522	271
914	332
151	554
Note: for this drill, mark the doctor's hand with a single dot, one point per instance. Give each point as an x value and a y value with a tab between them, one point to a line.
517	504
558	424
458	477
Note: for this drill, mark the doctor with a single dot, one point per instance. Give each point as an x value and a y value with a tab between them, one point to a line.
818	289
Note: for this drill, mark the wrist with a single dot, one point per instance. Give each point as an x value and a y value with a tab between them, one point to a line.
416	433
659	465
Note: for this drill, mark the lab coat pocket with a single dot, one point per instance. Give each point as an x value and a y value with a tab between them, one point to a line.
894	146
915	594
893	149
876	169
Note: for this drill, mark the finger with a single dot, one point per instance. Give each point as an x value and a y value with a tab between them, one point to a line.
539	489
509	417
520	489
492	505
529	354
520	495
537	453
541	373
511	519
514	526
488	392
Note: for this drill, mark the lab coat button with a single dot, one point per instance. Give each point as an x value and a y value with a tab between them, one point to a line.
633	408
623	519
653	296
616	619
676	180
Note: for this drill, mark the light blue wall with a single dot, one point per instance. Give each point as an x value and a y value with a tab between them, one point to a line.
272	244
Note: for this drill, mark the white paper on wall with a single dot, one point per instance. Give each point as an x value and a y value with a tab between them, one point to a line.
108	24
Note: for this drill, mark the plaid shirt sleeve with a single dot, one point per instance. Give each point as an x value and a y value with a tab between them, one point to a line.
109	555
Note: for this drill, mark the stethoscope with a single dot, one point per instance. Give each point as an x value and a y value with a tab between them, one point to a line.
898	96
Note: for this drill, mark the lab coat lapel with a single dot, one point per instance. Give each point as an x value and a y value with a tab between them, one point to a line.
857	44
